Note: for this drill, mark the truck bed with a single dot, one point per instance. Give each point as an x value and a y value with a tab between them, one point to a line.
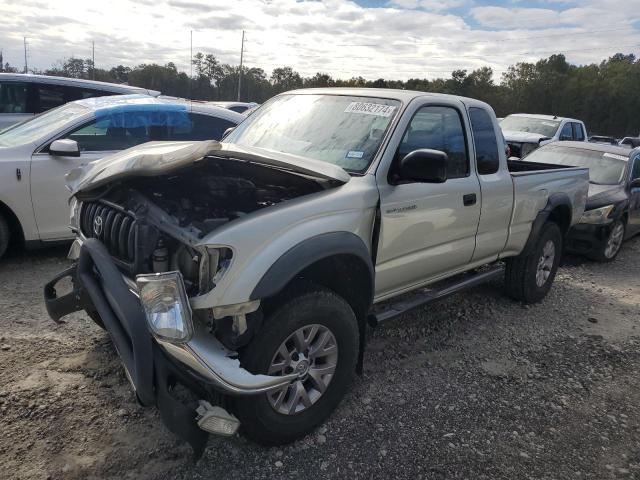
533	185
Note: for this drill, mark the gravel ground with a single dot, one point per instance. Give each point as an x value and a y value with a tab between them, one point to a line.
474	387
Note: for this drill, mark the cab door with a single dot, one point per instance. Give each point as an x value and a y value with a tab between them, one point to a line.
427	230
634	198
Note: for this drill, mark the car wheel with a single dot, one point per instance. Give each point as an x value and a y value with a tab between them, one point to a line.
609	251
5	235
528	278
316	335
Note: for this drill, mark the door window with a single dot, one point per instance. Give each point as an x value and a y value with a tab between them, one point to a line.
201	127
578	132
635	173
438	128
485	141
121	130
13	97
566	133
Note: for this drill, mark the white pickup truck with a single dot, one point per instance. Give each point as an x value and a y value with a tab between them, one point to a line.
245	271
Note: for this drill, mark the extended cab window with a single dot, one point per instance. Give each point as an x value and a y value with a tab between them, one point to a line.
438	128
578	132
121	130
13	97
485	141
566	133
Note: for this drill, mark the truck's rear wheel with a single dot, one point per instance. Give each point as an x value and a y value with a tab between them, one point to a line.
5	235
316	335
528	278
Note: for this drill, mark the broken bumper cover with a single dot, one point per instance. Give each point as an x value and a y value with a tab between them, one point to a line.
152	364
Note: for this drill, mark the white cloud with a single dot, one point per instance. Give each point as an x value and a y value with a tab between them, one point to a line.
432	5
338	37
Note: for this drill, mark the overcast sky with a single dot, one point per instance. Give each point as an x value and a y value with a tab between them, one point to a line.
373	38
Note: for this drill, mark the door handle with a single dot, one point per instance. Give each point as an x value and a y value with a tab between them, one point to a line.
469	199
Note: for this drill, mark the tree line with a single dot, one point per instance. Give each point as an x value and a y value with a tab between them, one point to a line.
605	95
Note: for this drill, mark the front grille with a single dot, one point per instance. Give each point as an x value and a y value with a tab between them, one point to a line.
113	226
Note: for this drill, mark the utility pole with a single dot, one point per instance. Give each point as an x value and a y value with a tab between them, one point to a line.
26	68
93	60
191	66
240	72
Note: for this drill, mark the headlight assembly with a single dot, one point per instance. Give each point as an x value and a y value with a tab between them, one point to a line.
597	215
166	306
74	216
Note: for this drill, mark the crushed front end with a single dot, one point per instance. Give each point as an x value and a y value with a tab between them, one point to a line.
140	261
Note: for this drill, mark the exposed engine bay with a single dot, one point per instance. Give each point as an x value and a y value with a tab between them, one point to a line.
152	224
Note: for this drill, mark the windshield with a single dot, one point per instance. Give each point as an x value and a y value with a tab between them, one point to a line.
548	128
604	168
40	126
343	130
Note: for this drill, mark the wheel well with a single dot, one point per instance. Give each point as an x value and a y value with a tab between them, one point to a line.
345	274
561	215
17	235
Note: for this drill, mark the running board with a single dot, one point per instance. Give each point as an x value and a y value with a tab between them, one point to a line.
449	287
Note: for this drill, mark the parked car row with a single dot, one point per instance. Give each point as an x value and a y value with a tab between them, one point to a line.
35	155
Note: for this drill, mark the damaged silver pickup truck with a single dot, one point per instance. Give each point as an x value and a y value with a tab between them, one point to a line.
236	279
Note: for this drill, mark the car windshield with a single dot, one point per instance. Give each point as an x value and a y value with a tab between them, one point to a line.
541	126
40	126
604	168
343	130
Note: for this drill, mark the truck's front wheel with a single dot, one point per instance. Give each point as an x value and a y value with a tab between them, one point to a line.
5	235
314	334
528	278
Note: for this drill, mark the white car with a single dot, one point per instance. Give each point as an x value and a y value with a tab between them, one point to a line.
36	155
24	95
525	132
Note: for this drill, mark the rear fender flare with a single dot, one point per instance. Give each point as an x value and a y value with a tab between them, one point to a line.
555	200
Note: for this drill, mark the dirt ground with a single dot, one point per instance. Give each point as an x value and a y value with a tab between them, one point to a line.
474	387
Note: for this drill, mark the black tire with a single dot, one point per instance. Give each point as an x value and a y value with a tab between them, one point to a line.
261	422
520	275
5	235
602	254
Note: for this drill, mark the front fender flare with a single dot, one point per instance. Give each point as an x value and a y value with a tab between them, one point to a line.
306	253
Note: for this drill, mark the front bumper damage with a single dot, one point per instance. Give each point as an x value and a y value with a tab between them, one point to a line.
153	366
585	238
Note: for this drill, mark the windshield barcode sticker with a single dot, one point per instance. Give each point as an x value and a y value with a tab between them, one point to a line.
613	155
370	109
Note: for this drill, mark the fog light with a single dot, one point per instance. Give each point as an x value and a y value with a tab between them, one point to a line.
166	306
216	420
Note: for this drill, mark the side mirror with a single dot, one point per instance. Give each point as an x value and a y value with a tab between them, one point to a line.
635	183
424	165
227	132
64	148
545	139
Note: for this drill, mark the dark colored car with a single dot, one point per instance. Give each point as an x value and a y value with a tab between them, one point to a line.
612	213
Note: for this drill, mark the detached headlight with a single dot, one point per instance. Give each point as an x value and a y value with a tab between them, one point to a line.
74	216
166	306
597	215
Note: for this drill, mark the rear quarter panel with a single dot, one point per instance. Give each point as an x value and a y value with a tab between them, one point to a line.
532	191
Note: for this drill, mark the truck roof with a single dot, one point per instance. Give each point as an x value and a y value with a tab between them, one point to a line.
404	96
544	117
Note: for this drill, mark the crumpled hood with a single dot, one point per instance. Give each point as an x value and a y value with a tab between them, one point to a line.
523	137
156	158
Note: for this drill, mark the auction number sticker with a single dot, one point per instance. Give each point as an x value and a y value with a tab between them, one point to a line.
376	109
